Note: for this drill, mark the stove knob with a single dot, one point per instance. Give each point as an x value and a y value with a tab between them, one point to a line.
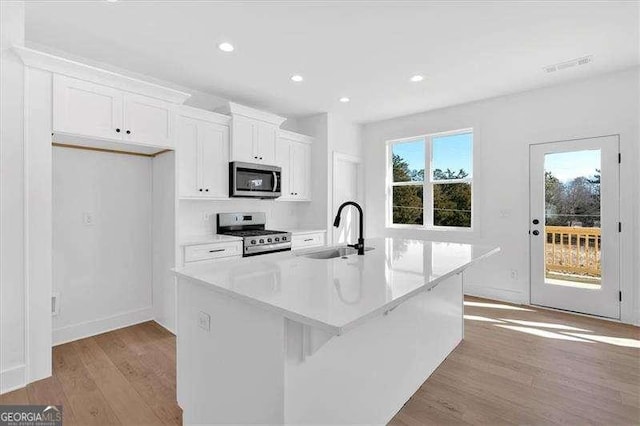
253	241
261	241
268	240
284	238
276	239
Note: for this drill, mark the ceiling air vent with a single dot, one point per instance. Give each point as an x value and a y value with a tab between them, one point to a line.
568	64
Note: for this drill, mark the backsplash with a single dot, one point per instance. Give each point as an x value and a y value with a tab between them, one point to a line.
280	214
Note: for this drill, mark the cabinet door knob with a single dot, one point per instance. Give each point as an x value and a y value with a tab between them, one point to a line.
261	158
206	190
117	130
200	189
128	132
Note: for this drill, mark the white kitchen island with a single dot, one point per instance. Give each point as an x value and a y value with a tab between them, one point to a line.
286	339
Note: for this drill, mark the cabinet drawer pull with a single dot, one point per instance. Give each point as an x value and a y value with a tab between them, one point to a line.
308	239
128	132
117	130
216	250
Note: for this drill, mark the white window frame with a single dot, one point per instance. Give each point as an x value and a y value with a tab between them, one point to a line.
427	183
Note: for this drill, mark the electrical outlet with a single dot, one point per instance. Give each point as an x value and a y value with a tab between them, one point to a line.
514	274
206	216
204	321
87	218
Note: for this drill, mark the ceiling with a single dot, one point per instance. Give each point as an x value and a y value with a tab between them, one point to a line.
364	50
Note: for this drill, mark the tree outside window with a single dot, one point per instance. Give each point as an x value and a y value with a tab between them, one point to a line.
443	198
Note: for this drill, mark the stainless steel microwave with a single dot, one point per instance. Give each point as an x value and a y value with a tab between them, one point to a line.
254	180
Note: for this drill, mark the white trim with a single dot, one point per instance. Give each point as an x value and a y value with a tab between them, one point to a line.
427	183
166	326
201	114
495	293
102	325
46	61
26	172
245	111
358	161
297	137
13	378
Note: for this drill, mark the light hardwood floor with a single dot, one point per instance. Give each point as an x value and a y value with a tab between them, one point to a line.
517	365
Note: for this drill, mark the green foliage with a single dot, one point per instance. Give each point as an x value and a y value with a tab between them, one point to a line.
574	202
452	204
407	200
452	201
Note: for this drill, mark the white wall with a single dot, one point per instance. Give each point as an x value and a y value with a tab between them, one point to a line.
12	277
332	133
280	214
344	138
314	214
103	270
503	129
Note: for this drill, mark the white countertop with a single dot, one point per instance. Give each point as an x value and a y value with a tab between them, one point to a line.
336	294
206	239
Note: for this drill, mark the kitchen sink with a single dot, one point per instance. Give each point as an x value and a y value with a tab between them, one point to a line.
333	252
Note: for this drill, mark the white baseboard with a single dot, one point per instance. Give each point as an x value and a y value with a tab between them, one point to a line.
91	328
13	378
495	293
165	326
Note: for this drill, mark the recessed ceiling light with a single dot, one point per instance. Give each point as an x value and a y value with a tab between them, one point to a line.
226	47
344	99
416	78
296	78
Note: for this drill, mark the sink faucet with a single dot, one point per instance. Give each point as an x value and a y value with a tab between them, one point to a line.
360	245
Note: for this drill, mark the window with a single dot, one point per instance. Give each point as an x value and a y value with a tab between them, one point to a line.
430	179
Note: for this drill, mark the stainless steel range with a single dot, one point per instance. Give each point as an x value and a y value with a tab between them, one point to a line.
251	228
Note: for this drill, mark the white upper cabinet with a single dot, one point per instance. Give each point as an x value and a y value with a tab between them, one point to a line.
294	156
87	109
96	111
267	135
203	154
283	159
147	120
254	134
300	170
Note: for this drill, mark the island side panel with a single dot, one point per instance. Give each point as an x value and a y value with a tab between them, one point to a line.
232	373
367	374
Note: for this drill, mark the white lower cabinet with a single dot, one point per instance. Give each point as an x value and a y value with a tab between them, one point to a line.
293	155
300	240
203	155
209	251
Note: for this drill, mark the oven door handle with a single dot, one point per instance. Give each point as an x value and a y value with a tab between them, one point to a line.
275	181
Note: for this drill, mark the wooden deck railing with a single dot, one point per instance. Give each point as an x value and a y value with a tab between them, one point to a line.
573	250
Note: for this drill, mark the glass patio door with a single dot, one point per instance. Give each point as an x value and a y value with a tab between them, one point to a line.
574	225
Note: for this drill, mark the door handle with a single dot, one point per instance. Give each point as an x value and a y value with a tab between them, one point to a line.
536	232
